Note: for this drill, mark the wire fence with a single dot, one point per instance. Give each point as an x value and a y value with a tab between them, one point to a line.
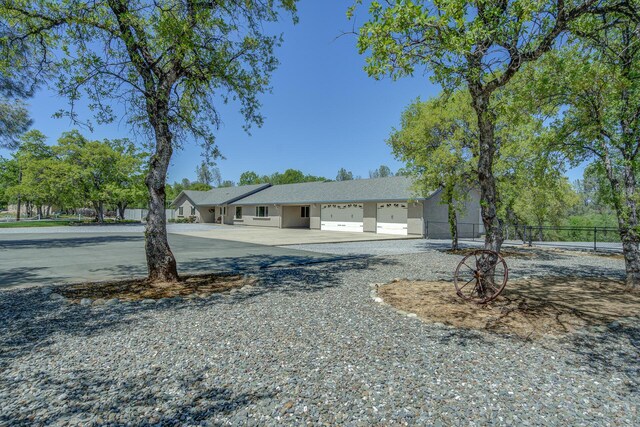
605	239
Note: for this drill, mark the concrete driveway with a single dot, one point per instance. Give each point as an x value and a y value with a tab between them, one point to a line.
285	236
68	257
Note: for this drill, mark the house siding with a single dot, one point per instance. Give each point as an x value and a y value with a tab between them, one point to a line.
186	206
314	213
291	217
415	223
249	216
369	220
436	217
204	214
426	217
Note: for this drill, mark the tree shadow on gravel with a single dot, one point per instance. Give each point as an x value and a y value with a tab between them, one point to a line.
34	321
146	396
233	265
312	277
31	319
462	337
260	262
615	351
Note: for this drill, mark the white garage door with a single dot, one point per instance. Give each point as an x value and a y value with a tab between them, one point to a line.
392	218
341	217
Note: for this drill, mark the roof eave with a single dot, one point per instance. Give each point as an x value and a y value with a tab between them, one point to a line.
306	202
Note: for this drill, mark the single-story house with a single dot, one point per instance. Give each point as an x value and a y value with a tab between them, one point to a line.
211	206
378	205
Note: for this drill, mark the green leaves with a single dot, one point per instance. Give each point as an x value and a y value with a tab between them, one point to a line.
437	140
290	176
75	172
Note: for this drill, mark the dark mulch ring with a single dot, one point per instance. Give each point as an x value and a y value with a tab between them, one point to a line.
141	289
528	308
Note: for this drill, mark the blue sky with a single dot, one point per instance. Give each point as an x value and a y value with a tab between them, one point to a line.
324	112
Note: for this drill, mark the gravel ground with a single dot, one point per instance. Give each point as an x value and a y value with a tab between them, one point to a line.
411	246
308	346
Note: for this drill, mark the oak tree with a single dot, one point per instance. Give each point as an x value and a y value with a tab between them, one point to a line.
478	45
168	63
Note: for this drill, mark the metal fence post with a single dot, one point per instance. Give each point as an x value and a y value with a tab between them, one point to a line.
530	235
426	230
595	239
473	231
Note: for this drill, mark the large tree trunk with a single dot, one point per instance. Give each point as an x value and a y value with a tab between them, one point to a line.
631	251
99	208
19	207
19	195
160	260
629	230
624	196
121	208
488	198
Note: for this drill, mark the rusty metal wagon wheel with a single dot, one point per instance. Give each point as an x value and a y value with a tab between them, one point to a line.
481	276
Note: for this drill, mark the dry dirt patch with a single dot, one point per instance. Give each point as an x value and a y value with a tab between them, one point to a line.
140	289
528	308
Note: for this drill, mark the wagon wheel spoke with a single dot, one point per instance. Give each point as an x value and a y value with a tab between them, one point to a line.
462	287
467	265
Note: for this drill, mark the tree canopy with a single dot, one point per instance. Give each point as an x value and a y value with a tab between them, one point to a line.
475	45
594	100
289	176
74	173
344	175
438	142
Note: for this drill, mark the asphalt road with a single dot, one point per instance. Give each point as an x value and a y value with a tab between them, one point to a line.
54	258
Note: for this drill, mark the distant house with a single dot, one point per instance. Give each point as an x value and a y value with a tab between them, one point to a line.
380	205
211	206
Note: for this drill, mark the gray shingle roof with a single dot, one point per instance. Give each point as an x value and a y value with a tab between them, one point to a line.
220	196
395	188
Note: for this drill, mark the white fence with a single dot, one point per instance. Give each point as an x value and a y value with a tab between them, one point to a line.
141	214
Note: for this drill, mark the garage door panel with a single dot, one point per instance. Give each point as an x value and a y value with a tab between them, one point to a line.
392	218
355	227
342	217
392	228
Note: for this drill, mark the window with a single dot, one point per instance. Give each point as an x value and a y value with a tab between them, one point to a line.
238	212
181	211
193	210
224	211
262	211
304	212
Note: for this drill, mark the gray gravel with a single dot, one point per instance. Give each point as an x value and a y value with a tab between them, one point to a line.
307	346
